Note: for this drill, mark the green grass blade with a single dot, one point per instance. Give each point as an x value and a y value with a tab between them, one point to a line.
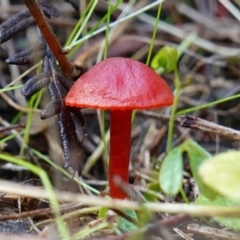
47	185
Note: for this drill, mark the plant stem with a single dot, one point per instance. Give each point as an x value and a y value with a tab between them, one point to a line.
206	105
120	144
172	119
154	34
49	36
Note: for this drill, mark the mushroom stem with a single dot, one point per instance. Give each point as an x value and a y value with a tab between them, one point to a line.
120	144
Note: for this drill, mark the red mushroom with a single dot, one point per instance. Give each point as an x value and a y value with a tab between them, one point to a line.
119	85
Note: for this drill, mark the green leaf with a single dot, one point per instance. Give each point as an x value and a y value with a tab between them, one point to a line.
154	187
166	58
233	223
222	174
197	155
125	225
102	212
171	172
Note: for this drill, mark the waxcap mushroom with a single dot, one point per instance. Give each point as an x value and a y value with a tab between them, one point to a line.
120	85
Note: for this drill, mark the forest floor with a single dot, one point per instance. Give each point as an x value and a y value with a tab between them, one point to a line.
40	199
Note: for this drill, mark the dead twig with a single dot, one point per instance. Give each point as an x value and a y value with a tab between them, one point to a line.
39	212
188	121
158	228
212	232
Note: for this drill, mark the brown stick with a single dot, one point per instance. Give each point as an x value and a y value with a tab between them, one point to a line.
159	228
206	126
49	36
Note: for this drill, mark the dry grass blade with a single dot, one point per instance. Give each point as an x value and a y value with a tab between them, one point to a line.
7	186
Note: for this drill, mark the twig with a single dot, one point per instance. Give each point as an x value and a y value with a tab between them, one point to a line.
33	213
206	126
131	193
158	228
207	231
7	186
155	228
5	129
49	36
38	212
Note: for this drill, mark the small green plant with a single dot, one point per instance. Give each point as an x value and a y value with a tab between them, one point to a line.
220	201
221	173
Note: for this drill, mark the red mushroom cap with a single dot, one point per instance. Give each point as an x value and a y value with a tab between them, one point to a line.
120	83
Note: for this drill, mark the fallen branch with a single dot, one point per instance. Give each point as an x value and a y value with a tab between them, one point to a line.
188	121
